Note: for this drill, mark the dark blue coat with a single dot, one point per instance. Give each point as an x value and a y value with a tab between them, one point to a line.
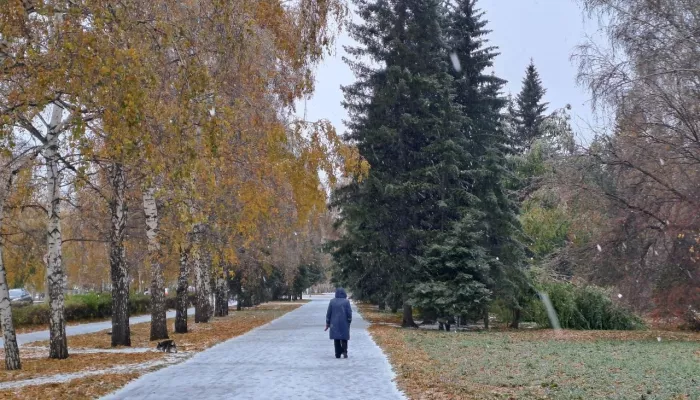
339	316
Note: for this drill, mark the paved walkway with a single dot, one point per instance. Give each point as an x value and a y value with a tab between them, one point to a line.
82	329
290	358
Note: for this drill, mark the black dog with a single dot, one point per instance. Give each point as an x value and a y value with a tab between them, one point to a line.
167	346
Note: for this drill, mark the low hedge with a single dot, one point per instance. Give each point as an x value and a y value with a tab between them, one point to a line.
86	307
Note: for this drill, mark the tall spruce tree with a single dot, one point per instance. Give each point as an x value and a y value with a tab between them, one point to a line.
405	124
528	114
480	96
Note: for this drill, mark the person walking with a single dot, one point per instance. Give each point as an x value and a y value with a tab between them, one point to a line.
338	319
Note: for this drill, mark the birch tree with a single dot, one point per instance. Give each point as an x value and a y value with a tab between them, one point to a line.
159	329
10	168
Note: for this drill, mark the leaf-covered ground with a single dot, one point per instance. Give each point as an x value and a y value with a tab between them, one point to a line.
201	336
540	364
37	367
90	387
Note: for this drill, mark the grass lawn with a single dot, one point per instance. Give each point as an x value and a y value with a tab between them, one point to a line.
541	364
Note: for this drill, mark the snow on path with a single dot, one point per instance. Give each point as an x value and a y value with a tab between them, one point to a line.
81	329
289	358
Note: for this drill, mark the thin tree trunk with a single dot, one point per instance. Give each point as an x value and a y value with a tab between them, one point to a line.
58	345
236	289
182	293
211	282
12	361
220	305
222	293
515	323
202	308
159	328
121	334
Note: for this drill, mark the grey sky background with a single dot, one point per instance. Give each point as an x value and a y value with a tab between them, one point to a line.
547	31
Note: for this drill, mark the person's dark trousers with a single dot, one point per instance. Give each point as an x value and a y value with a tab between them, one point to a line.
341	347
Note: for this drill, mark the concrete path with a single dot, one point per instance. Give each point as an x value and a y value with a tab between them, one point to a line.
81	329
289	358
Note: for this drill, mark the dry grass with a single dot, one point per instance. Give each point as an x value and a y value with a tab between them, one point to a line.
90	387
36	367
414	370
373	315
199	337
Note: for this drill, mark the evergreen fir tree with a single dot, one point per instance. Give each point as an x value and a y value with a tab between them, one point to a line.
404	122
528	114
479	95
459	270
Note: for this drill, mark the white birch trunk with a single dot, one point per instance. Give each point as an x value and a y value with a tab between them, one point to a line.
159	329
55	274
121	334
201	307
222	293
207	277
202	274
182	293
12	360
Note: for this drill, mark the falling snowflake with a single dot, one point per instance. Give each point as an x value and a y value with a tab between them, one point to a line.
455	62
661	161
212	112
497	259
658	338
619	295
600	249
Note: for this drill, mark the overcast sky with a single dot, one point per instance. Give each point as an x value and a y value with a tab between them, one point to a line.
545	30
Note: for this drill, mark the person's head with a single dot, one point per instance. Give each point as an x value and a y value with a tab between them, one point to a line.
340	293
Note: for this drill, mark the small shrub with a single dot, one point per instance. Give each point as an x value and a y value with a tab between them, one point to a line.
171	301
88	306
582	307
35	314
139	304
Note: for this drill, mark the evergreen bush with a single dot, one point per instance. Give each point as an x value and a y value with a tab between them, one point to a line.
581	307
